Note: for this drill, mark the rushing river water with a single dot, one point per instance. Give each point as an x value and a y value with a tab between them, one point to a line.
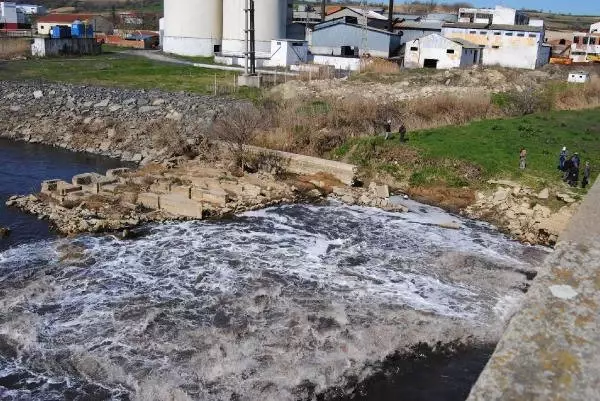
288	303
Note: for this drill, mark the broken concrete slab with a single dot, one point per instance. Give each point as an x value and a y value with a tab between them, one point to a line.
218	197
181	206
149	200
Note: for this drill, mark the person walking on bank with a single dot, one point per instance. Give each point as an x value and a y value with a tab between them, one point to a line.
586	175
562	158
523	158
388	129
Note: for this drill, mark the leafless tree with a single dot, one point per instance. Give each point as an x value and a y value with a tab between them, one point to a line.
236	127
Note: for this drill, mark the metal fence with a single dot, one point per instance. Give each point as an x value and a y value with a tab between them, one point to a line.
20	33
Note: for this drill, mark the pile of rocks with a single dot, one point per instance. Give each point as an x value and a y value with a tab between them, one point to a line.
523	212
375	195
114	122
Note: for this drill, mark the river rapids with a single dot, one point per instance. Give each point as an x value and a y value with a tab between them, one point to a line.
279	304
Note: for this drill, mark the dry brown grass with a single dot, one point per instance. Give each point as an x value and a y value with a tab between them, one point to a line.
448	198
575	97
14	47
379	66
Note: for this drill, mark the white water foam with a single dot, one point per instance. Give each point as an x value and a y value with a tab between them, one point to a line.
255	307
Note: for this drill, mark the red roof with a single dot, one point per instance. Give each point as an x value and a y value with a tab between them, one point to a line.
65	18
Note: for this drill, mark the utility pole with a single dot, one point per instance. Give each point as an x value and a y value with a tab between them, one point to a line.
249	78
391	16
323	9
365	25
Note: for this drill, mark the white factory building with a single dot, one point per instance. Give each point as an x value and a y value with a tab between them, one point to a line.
209	27
436	51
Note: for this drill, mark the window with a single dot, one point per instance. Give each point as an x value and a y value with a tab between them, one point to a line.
472	32
450	51
533	35
495	47
592	41
278	43
562	42
41	26
585	41
414	49
483	32
521	34
508	34
576	40
497	33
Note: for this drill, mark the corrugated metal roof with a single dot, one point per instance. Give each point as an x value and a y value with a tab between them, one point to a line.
519	28
370	14
342	21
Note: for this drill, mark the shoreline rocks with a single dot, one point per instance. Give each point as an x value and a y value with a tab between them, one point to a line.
523	213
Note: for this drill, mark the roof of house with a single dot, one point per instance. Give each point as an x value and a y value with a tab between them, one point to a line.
519	28
342	21
370	14
65	18
427	26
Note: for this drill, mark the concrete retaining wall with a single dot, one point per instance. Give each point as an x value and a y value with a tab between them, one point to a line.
300	164
551	348
44	47
11	47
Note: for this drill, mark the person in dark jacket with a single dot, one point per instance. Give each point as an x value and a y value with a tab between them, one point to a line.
573	171
562	158
587	170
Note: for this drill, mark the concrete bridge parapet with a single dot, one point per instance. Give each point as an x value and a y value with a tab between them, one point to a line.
551	348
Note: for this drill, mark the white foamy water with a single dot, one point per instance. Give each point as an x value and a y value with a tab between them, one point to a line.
248	309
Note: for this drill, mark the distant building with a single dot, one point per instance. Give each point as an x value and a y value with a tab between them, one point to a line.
286	52
100	24
496	16
436	51
513	46
32	9
585	47
10	16
595	28
371	18
578	77
307	14
345	37
411	30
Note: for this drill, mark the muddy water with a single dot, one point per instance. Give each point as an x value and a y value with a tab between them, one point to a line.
289	303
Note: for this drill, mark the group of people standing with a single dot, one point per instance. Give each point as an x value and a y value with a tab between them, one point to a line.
570	167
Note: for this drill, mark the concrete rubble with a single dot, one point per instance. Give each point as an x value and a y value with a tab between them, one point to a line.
525	214
122	198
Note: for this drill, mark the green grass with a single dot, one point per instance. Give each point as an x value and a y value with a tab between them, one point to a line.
446	155
193	59
113	69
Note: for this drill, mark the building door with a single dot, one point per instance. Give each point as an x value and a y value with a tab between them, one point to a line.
430	63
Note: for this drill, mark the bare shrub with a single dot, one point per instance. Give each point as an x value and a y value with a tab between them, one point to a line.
237	127
270	162
527	101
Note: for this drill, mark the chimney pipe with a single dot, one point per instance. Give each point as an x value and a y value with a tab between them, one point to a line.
323	8
391	16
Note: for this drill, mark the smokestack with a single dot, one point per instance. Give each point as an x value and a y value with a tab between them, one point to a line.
391	16
323	8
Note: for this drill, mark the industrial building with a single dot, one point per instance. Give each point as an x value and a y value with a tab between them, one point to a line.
595	28
513	46
32	9
11	17
345	37
218	26
363	17
100	24
585	47
436	51
496	16
411	30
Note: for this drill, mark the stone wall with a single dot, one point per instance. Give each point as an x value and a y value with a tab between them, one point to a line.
12	47
550	348
134	125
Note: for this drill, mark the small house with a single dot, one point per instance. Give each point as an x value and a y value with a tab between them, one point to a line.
436	51
100	24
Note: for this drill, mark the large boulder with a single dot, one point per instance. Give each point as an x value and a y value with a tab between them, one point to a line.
544	194
4	232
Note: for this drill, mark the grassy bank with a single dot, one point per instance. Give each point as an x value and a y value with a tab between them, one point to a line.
119	70
469	155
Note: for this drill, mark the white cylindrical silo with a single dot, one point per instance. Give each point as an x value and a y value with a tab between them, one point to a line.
193	27
270	19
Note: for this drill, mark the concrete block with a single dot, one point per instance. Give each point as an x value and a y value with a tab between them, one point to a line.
183	190
217	197
149	200
49	186
252	81
117	172
65	188
251	190
111	188
181	206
